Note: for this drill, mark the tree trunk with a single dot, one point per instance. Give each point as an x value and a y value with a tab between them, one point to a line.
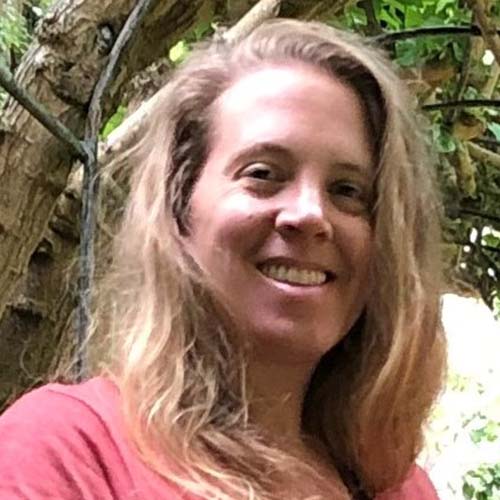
60	70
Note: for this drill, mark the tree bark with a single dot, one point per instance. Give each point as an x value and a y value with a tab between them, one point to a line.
61	71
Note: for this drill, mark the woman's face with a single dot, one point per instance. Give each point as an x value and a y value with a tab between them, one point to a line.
279	216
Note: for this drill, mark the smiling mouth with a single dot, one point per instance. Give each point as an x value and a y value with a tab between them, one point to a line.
294	275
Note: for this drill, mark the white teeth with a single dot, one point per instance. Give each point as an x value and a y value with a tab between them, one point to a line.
294	275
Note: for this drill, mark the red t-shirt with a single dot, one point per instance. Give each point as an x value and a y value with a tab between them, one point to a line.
67	442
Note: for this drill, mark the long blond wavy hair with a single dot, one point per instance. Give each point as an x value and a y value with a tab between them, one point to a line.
180	372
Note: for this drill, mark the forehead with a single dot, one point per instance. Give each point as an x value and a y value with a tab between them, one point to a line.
294	105
278	83
263	80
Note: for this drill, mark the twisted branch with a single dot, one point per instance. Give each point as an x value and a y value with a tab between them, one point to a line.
397	36
265	9
41	113
90	186
483	154
466	103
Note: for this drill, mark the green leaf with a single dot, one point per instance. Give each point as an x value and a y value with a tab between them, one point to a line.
407	53
482	483
179	51
490	240
494	128
391	21
432	21
468	491
471	93
443	140
458	51
413	18
395	5
442	4
202	29
114	122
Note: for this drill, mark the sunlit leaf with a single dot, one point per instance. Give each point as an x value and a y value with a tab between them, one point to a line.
114	122
494	128
179	51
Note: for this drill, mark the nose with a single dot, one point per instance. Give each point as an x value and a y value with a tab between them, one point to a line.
303	211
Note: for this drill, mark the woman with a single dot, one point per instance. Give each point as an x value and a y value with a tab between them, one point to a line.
274	307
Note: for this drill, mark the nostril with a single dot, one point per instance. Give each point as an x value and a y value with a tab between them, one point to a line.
289	227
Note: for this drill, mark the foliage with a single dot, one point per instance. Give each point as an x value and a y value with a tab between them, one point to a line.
181	49
16	31
463	439
487	430
449	68
483	483
17	27
14	35
114	122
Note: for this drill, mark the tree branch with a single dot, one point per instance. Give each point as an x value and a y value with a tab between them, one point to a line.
397	36
492	82
489	262
487	27
41	113
312	9
466	103
373	26
489	248
61	69
452	114
264	9
483	154
90	187
478	213
486	141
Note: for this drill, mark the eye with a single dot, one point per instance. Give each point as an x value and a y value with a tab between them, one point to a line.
347	189
350	196
262	172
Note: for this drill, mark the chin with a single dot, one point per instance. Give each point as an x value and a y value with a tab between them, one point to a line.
290	345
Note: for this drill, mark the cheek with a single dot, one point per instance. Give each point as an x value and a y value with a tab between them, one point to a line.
225	232
240	224
366	250
364	264
358	249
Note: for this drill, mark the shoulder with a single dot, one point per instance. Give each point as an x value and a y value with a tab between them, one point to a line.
417	486
69	442
54	439
58	408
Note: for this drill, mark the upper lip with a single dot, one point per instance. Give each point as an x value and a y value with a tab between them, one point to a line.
300	264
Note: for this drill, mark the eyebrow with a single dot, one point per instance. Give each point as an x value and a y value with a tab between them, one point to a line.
361	169
262	149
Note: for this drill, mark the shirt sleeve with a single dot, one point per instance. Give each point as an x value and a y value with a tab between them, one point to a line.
417	486
50	450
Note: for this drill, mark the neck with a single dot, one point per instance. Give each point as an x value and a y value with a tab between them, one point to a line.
276	392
